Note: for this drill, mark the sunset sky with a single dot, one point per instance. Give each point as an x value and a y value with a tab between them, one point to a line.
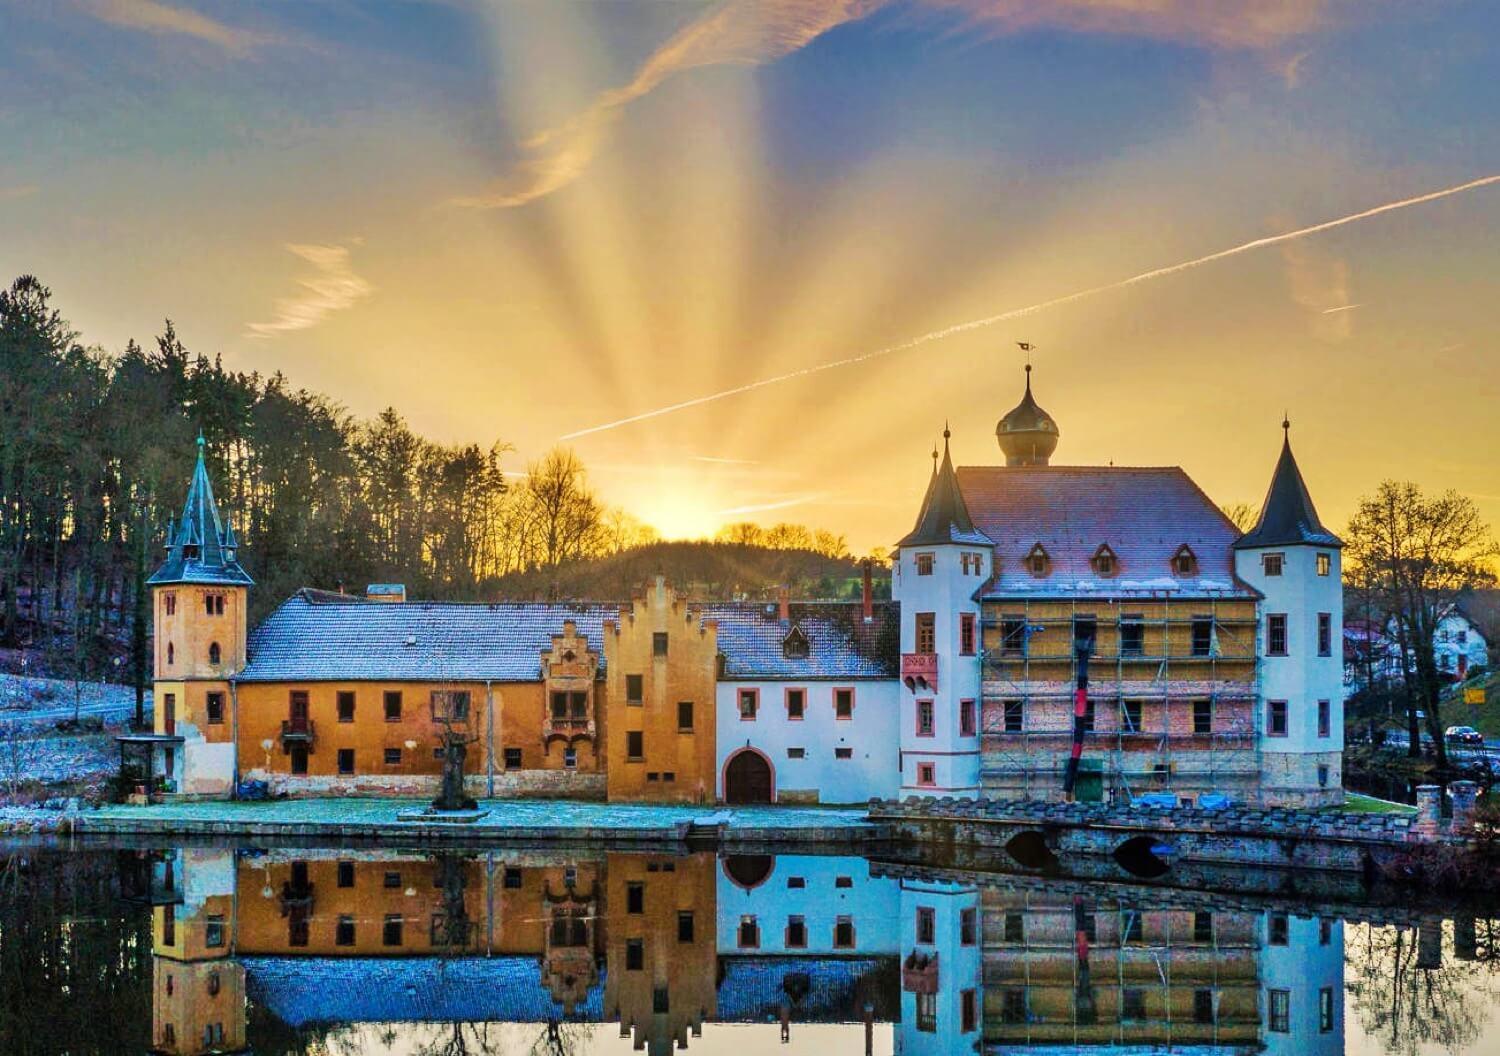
523	220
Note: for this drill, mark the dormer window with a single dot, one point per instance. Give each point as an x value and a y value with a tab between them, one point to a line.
1038	563
190	551
1185	562
1104	562
924	564
795	645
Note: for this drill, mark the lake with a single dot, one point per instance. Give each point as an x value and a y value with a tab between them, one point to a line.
208	949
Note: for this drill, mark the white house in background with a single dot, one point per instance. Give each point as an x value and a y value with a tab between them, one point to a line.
808	701
806	906
1459	644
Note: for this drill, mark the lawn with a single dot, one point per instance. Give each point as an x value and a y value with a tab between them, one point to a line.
1358	803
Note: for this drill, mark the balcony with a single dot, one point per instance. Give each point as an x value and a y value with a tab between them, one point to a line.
920	672
567	728
299	730
919	973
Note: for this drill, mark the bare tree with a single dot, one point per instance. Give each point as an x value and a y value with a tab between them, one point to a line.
560	513
1420	555
1241	514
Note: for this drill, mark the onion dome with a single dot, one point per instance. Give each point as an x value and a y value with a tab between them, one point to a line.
1027	434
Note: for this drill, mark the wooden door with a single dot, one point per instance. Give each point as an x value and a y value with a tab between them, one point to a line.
747	779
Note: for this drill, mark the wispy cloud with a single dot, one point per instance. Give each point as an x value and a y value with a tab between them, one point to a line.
764	507
24	190
150	16
727	461
333	286
1318	280
1342	308
755	32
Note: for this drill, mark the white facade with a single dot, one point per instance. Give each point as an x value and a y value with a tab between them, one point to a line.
937	583
1302	972
818	892
1459	645
819	757
940	924
1300	647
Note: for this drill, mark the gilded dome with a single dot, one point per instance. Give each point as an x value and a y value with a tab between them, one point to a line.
1027	434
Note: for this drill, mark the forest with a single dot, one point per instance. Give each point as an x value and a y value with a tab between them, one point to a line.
95	454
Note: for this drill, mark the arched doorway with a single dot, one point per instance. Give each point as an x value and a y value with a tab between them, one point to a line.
747	778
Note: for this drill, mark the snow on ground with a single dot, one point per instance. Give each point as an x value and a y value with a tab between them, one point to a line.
49	699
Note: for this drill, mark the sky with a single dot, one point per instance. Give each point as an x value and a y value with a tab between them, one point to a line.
523	221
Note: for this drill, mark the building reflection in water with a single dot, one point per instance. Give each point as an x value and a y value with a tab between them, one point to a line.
662	944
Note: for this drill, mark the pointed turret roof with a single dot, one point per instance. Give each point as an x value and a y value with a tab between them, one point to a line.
1288	516
201	547
944	517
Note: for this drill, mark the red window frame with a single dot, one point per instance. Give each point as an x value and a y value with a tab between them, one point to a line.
786	700
926	775
739	698
967	725
1286	718
966	637
835	698
930	709
926	926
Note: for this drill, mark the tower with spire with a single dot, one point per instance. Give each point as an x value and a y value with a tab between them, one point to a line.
940	566
199	604
1293	560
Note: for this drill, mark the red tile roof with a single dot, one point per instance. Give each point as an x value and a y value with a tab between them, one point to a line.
1144	514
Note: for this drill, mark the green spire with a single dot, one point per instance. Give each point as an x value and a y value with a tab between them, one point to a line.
202	549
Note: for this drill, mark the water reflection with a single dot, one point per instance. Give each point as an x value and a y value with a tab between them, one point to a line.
314	951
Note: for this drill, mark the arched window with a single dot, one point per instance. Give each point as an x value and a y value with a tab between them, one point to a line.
213	653
1038	563
171	654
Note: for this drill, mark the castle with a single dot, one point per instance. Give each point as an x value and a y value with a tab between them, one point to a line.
1205	659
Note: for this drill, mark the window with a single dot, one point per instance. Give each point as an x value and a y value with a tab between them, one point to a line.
1130	716
1276	634
634	689
213	604
390	935
215	654
171	654
685	927
926	632
1278	927
1037	561
1325	634
968	1011
1085	633
843	753
796	933
1203	1006
1325	931
169	604
1015	716
1088	715
512	879
344	873
570	758
1325	564
748	934
635	897
1132	634
1325	718
926	774
346	706
1203	635
924	718
966	644
843	933
1271	564
1323	776
512	758
635	745
749	704
795	645
927	1013
659	643
796	704
1013	1005
1090	927
843	703
968	927
966	725
635	955
1325	1010
1203	926
392	879
926	925
1015	928
1132	1003
685	716
213	931
1278	1008
1103	562
1276	719
392	699
654	775
924	564
846	882
299	758
1185	562
214	707
796	882
346	761
1203	716
452	705
343	932
1012	635
796	753
214	984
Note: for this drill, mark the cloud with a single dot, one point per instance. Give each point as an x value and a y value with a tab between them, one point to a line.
1291	70
149	16
1318	280
332	287
727	461
765	507
24	190
755	32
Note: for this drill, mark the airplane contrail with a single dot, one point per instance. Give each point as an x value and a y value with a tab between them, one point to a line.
1016	313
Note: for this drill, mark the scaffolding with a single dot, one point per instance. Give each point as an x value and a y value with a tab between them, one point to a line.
1173	684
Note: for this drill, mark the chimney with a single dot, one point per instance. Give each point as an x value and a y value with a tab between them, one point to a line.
784	604
868	597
